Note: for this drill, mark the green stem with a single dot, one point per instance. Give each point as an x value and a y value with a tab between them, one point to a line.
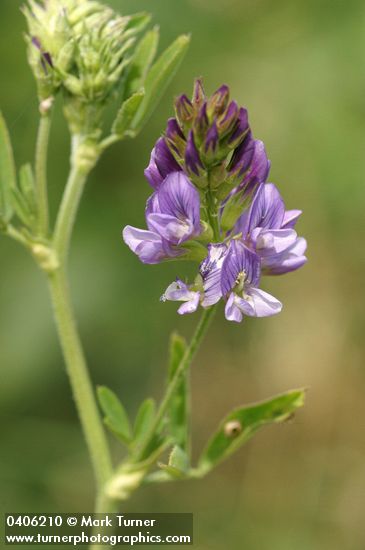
67	330
79	378
104	505
41	172
69	206
212	213
183	366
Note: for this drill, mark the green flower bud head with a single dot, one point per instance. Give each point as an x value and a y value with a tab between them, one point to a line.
82	48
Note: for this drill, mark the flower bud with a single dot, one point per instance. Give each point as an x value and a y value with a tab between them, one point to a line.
218	102
184	111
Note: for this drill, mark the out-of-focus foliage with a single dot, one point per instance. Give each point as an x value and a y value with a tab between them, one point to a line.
299	68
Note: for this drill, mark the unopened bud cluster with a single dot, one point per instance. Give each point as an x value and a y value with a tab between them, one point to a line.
81	47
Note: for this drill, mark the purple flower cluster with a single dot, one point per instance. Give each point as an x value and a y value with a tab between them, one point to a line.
211	203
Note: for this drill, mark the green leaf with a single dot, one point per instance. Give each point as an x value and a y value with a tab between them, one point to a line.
137	22
178	413
178	465
116	418
144	419
142	59
241	424
21	207
7	172
126	114
159	77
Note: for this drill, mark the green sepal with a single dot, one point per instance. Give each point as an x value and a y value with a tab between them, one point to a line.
159	77
195	251
141	61
178	412
233	209
241	424
144	420
178	465
126	113
116	418
7	173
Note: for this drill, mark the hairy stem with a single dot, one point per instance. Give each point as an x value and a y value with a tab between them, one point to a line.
77	371
67	330
183	366
41	172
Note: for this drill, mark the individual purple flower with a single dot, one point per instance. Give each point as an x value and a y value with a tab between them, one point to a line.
239	280
178	291
172	216
269	228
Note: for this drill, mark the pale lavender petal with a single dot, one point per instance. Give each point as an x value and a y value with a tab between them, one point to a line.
273	241
191	306
289	260
239	260
262	303
237	306
232	311
147	245
178	291
210	271
290	218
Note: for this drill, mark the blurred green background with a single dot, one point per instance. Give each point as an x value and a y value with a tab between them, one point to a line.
298	66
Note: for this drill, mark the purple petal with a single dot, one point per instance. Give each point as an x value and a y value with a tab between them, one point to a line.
178	291
274	241
267	209
232	311
228	118
177	197
241	128
211	140
263	304
192	159
147	245
190	306
290	218
173	130
169	227
161	164
289	260
210	271
243	156
260	166
239	259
